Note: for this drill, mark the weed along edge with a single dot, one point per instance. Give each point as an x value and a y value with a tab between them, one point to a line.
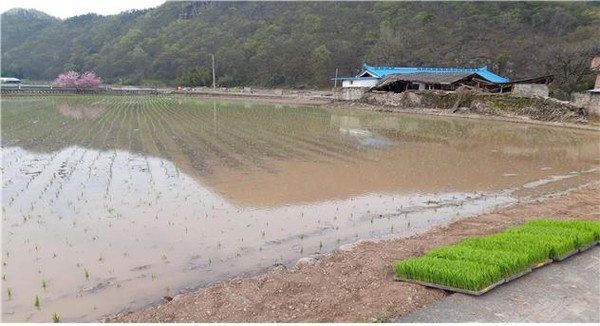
479	264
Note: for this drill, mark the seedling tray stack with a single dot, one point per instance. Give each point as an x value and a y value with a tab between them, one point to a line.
477	265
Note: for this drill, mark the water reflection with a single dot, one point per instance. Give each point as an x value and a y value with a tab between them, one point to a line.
77	112
149	196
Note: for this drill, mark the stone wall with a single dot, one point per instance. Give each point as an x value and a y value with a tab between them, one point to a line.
589	101
536	108
350	94
540	90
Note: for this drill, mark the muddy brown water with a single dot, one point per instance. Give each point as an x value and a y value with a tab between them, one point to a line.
109	204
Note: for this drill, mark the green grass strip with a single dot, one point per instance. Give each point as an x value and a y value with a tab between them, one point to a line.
461	274
509	263
584	225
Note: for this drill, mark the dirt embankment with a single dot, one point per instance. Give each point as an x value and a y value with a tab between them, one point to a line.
355	285
470	103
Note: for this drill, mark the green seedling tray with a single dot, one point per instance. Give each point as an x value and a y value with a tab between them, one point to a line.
517	275
567	255
584	248
578	250
449	288
507	279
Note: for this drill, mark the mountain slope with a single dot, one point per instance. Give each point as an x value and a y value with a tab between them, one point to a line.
300	44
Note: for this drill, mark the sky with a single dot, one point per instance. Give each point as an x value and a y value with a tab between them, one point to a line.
69	8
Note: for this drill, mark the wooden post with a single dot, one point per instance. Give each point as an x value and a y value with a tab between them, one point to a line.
335	80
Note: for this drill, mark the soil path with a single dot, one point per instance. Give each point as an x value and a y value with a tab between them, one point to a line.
354	285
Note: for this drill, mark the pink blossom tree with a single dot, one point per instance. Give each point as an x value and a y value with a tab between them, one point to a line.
89	79
73	79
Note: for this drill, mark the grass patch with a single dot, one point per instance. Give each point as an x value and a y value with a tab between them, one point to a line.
380	318
476	263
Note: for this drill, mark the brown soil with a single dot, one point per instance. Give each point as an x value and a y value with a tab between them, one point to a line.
352	285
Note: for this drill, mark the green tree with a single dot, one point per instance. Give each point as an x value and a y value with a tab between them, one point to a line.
320	61
195	77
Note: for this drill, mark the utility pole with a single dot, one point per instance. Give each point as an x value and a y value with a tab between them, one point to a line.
213	69
335	80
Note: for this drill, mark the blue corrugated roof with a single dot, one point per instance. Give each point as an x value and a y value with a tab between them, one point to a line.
381	72
354	78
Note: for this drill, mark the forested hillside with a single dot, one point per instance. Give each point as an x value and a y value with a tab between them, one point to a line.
300	44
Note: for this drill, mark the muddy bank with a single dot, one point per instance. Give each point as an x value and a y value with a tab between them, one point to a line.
468	104
501	107
353	285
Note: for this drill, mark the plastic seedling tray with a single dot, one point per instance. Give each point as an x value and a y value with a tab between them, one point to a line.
567	255
517	275
449	288
584	248
541	264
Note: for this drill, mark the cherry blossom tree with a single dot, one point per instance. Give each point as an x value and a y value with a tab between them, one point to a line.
73	79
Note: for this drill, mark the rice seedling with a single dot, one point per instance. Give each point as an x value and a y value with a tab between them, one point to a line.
9	293
478	262
559	240
461	274
586	225
55	317
44	284
519	243
86	273
508	262
36	301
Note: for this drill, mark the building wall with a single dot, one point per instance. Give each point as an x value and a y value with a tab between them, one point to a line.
350	93
540	90
353	83
588	100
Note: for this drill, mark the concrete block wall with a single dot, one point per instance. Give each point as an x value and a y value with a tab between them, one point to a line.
588	100
540	90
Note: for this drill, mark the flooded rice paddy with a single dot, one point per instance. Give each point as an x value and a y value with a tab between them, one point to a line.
111	203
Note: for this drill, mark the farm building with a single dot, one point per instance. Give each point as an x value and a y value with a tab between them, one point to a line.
421	77
9	80
590	99
401	79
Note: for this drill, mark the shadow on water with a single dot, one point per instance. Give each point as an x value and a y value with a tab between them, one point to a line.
113	202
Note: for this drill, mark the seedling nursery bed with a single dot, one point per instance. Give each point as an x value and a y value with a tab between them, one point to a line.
479	264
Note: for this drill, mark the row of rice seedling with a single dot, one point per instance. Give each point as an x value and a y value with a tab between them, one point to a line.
508	263
560	240
477	264
584	225
462	274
